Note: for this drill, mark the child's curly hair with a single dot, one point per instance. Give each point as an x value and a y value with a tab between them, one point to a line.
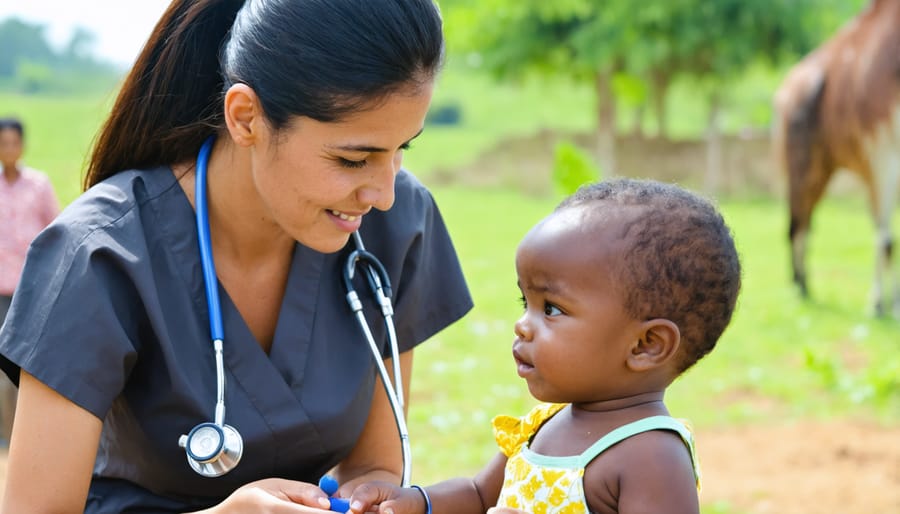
679	263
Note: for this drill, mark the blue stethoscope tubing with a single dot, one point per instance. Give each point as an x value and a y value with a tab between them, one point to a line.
209	276
225	453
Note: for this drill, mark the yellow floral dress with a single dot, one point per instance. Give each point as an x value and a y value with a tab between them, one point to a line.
542	484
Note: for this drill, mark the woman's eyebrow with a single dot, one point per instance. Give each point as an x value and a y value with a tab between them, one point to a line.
370	149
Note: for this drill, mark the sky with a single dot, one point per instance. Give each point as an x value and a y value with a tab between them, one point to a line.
120	26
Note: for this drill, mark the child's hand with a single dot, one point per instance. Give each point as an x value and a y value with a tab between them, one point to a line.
505	510
381	496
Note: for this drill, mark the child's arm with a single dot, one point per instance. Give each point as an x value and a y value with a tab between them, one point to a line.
454	496
655	474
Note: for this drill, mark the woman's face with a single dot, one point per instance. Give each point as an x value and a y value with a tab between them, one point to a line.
318	180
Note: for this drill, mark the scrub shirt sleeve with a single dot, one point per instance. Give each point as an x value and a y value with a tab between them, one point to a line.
433	291
72	324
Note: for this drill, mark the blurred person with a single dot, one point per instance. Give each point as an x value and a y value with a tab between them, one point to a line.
261	136
626	285
27	205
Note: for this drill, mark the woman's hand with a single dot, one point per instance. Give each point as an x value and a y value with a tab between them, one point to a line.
274	496
385	495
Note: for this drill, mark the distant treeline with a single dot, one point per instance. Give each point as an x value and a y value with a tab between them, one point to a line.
30	65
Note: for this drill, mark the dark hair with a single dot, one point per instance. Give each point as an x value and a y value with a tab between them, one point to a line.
679	263
14	124
321	59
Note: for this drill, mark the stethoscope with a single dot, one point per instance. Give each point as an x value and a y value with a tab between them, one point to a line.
215	448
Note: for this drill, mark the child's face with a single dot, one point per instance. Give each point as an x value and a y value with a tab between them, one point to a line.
573	338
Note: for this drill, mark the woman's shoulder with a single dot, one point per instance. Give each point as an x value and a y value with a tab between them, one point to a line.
120	212
108	204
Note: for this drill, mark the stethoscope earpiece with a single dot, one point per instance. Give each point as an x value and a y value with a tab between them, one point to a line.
212	450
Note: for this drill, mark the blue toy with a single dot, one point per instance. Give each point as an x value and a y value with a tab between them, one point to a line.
330	486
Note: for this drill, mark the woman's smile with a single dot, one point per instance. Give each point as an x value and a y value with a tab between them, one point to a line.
346	222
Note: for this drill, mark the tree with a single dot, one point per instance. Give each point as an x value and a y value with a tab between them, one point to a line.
81	45
713	44
22	41
518	37
28	64
658	41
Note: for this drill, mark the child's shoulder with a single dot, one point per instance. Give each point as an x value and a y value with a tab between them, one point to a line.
652	456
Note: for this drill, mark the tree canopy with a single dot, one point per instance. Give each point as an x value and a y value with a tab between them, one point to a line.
29	64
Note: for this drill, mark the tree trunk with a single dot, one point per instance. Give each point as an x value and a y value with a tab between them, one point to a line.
637	129
606	123
661	82
712	182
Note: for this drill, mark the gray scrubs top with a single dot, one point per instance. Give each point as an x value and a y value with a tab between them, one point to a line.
111	313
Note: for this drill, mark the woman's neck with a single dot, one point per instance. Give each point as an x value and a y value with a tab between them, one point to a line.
240	227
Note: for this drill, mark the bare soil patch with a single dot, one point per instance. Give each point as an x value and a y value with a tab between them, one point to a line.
802	468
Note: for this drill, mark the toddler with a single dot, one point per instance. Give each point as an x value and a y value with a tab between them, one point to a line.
625	286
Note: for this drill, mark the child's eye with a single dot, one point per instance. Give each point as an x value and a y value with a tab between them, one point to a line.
347	163
523	301
551	310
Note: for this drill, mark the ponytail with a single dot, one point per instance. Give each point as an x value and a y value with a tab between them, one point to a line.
171	100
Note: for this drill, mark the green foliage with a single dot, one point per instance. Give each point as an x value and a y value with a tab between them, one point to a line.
29	65
712	44
19	41
572	168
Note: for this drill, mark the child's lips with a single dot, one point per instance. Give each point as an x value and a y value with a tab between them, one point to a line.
522	366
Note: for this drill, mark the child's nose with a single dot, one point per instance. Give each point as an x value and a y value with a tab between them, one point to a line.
522	328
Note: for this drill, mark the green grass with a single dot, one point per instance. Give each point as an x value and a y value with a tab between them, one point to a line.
58	134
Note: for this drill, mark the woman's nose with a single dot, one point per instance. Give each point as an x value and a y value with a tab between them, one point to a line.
379	190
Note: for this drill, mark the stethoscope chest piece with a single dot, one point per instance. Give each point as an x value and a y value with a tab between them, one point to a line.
212	450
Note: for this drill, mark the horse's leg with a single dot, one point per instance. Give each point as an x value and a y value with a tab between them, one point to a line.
805	189
885	153
799	146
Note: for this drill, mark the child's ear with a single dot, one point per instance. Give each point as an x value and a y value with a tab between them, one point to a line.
658	342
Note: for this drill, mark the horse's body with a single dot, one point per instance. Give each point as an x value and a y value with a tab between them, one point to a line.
839	108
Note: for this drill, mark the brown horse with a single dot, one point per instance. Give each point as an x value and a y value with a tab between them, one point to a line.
839	108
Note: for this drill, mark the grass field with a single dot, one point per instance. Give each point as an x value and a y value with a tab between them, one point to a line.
782	358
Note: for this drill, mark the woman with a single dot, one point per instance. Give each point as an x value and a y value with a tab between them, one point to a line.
308	106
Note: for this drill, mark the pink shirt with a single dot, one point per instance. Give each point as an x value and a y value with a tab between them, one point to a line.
26	207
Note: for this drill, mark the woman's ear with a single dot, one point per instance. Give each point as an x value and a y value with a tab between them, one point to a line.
243	114
658	343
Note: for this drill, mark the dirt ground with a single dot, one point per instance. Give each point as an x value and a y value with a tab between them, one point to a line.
802	468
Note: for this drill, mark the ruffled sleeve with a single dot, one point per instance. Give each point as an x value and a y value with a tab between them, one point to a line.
512	432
